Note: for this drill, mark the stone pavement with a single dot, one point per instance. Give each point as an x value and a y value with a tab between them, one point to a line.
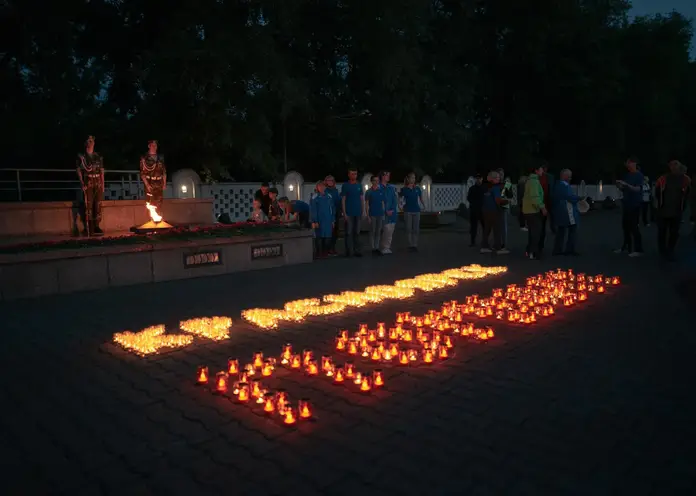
596	400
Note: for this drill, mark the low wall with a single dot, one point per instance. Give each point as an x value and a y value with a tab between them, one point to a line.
67	271
65	218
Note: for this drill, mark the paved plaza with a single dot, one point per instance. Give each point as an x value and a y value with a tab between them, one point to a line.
596	400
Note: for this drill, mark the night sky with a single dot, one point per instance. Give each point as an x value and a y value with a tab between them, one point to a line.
685	7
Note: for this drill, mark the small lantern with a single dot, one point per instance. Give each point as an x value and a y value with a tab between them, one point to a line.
255	389
371	336
286	355
363	342
304	409
258	360
600	289
399	318
437	335
458	317
393	335
419	321
243	394
427	320
387	355
407	336
352	348
375	355
296	362
244	376
312	367
489	332
358	378
615	281
307	355
394	349
340	375
202	375
221	382
365	385
343	334
340	344
267	369
412	355
281	399
232	366
419	334
330	370
381	330
434	345
349	369
325	362
377	378
403	358
362	329
443	352
365	353
427	356
448	342
582	296
289	417
268	404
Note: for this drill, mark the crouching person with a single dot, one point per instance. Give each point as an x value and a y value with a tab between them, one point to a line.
322	216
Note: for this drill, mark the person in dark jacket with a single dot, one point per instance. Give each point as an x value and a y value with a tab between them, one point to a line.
475	199
672	194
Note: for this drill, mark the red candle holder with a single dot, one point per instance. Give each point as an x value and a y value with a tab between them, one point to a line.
349	369
232	366
307	355
296	362
221	382
286	355
312	368
243	392
377	378
305	409
268	403
339	376
258	360
202	375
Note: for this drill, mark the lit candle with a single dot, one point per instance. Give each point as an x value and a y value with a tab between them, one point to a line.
267	369
258	360
403	358
366	352
358	378
349	369
443	352
202	375
289	417
362	329
365	385
307	355
407	335
312	367
448	342
352	348
340	344
268	405
339	375
243	392
304	408
375	354
412	355
427	356
371	336
232	366
286	355
343	334
325	362
363	342
330	370
296	362
377	378
221	382
394	349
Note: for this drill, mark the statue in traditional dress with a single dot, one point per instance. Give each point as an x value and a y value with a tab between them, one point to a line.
154	176
90	170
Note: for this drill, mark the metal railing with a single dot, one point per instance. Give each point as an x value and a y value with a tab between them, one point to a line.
56	184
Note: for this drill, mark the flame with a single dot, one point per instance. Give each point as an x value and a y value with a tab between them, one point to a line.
268	405
232	366
305	411
289	417
156	218
202	375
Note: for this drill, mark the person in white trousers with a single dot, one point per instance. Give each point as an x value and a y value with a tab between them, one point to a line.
391	207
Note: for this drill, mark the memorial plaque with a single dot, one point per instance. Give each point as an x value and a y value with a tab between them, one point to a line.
192	260
266	251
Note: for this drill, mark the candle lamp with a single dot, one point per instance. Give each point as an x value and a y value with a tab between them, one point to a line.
357	378
343	334
362	329
412	355
364	342
443	352
407	335
349	369
330	370
244	376
419	321
600	289
281	399
243	392
582	296
286	354
352	348
202	375
258	360
381	347
371	336
268	404
399	318
591	288
304	408
340	375
232	366
307	355
393	349
393	334
403	358
375	354
267	369
447	341
256	388
221	382
340	344
387	356
312	367
381	330
365	385
296	362
289	417
427	356
437	335
377	378
325	362
615	281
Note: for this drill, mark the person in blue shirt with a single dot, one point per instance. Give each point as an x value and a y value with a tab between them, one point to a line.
413	201
331	189
295	211
391	206
374	203
322	217
353	209
565	214
631	187
492	211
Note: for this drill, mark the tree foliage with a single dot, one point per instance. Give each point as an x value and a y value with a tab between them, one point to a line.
248	88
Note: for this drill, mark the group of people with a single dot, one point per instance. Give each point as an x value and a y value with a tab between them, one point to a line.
90	171
543	201
379	205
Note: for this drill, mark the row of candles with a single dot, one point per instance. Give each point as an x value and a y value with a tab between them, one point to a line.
298	310
151	339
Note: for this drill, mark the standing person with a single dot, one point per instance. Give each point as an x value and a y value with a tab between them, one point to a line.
322	217
391	207
353	209
506	193
547	182
374	204
413	202
631	186
475	198
153	173
534	211
274	210
90	170
645	206
492	210
566	215
331	189
520	197
672	193
264	197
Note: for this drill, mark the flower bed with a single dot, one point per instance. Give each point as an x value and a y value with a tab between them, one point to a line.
175	234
